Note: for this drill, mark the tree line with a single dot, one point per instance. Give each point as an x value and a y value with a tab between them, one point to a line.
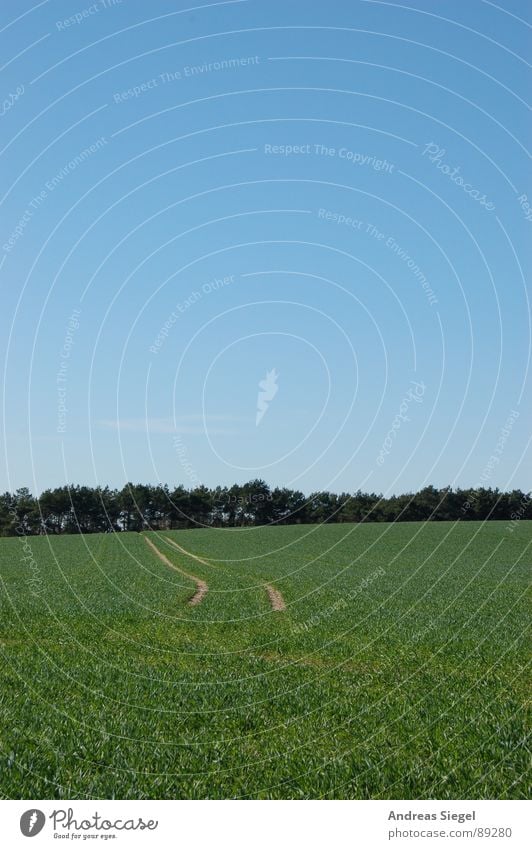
137	507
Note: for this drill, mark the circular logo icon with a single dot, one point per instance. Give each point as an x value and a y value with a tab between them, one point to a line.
32	822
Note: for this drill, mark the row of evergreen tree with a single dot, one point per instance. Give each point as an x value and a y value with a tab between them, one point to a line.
137	507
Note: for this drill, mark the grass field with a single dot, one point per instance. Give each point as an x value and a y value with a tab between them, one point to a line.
397	670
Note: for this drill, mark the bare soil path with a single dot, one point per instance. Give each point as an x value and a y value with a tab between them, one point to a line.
276	600
201	586
187	553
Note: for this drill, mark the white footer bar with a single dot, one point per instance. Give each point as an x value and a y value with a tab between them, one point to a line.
265	824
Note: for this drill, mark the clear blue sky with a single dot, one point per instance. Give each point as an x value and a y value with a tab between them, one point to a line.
352	172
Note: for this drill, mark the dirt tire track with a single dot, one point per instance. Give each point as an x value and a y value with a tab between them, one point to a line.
187	553
276	600
202	587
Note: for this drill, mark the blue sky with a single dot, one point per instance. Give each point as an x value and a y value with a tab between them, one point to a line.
195	198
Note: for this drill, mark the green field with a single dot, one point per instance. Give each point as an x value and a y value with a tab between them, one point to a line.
397	670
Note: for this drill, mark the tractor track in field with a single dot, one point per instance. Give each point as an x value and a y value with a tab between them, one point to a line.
187	553
201	586
276	599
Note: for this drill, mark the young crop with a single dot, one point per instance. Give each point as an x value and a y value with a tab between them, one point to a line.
395	667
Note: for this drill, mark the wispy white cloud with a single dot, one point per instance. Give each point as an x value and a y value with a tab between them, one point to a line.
190	424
